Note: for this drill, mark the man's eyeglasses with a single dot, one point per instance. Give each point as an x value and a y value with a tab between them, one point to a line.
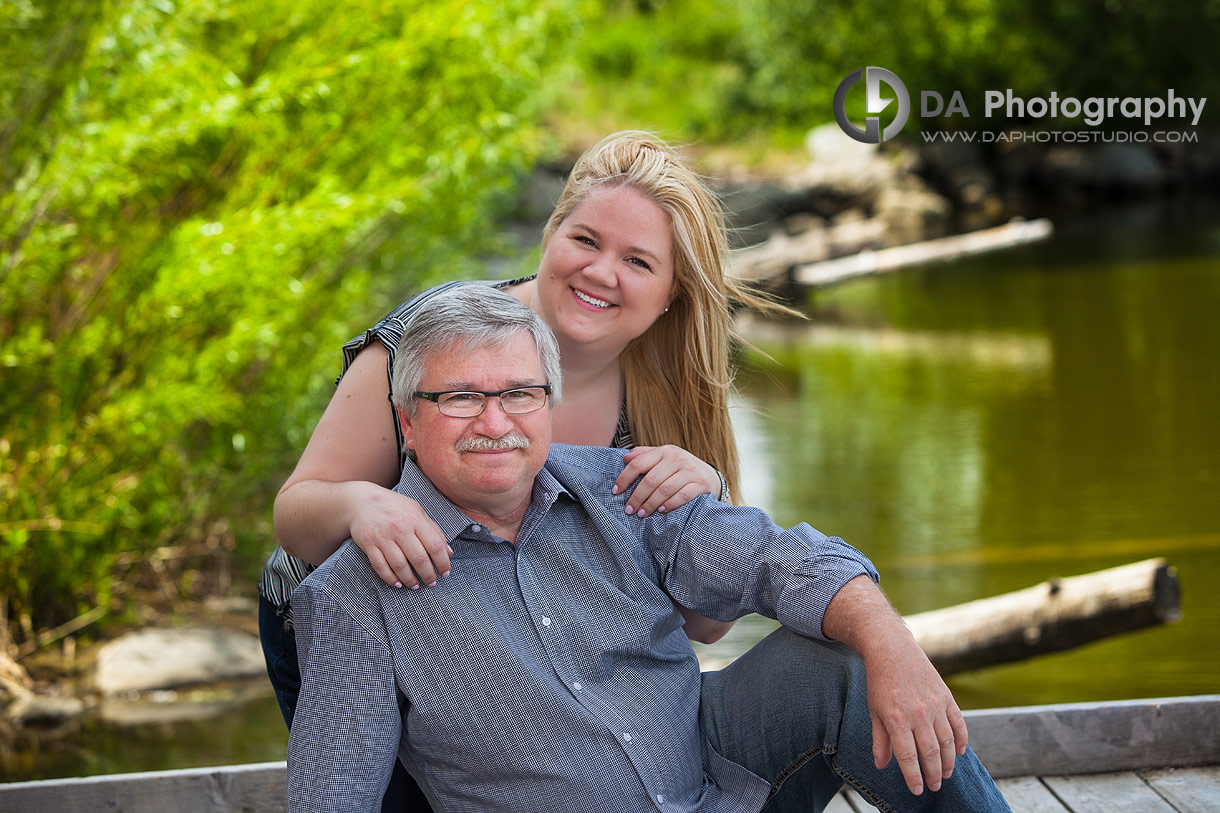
470	403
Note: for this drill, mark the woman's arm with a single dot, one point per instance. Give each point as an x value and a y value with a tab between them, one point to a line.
341	486
701	628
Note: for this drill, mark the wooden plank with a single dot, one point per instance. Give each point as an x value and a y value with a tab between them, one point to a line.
1027	794
1190	790
257	788
839	804
1107	793
1085	738
855	800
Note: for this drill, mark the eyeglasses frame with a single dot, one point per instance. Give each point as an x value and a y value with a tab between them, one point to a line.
435	397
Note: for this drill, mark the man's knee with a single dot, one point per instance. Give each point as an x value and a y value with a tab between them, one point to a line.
801	675
804	659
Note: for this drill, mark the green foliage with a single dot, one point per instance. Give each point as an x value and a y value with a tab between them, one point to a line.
719	70
665	65
199	201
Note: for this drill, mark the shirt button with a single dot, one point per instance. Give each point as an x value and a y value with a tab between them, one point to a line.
546	622
578	687
626	737
478	529
661	798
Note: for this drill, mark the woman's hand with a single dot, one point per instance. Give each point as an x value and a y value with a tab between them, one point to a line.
672	477
404	546
341	486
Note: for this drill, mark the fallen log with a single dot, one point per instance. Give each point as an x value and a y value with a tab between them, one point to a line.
1056	615
828	272
770	261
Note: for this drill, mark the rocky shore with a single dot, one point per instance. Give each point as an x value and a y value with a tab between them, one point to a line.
138	675
868	196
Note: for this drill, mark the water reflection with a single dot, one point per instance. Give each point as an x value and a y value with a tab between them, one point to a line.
241	724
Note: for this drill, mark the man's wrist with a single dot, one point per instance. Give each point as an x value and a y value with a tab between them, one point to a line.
862	617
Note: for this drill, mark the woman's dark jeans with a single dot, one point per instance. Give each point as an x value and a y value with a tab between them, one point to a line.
280	651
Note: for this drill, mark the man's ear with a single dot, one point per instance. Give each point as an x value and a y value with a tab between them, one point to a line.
404	421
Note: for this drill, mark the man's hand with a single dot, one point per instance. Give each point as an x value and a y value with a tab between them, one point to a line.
915	717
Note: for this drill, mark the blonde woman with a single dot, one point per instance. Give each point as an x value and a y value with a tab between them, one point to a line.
633	282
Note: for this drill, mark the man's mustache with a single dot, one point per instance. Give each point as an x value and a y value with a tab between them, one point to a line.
482	443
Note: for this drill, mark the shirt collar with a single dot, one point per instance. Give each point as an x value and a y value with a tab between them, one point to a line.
451	520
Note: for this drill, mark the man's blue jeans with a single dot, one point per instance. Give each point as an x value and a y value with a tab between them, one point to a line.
795	712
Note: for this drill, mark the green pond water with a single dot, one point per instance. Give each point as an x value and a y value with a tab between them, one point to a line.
981	426
975	428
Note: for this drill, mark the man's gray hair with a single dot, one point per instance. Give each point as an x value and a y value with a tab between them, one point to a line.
476	317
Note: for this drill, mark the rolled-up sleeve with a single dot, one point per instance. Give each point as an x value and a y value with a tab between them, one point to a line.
726	561
346	727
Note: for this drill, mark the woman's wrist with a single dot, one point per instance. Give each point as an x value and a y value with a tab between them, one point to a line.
319	516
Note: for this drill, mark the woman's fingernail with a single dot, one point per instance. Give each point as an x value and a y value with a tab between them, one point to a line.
445	575
640	513
450	547
398	584
415	587
661	510
629	510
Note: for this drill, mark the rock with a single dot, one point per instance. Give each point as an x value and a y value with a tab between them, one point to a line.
162	658
803	222
1129	166
242	605
41	709
1121	166
754	210
843	172
14	681
828	145
913	212
960	169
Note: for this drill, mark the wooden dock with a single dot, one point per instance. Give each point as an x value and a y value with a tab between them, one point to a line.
1131	756
1168	790
1142	756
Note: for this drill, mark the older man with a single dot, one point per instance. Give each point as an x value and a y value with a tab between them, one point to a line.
550	672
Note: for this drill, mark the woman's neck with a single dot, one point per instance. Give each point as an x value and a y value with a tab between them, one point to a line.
592	402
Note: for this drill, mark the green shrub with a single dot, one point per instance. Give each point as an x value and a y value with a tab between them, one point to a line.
199	202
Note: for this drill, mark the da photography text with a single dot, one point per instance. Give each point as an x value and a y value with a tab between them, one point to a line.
881	87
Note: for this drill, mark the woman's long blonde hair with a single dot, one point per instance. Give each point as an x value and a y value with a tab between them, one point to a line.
677	373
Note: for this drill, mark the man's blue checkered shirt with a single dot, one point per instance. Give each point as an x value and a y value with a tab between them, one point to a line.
553	675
